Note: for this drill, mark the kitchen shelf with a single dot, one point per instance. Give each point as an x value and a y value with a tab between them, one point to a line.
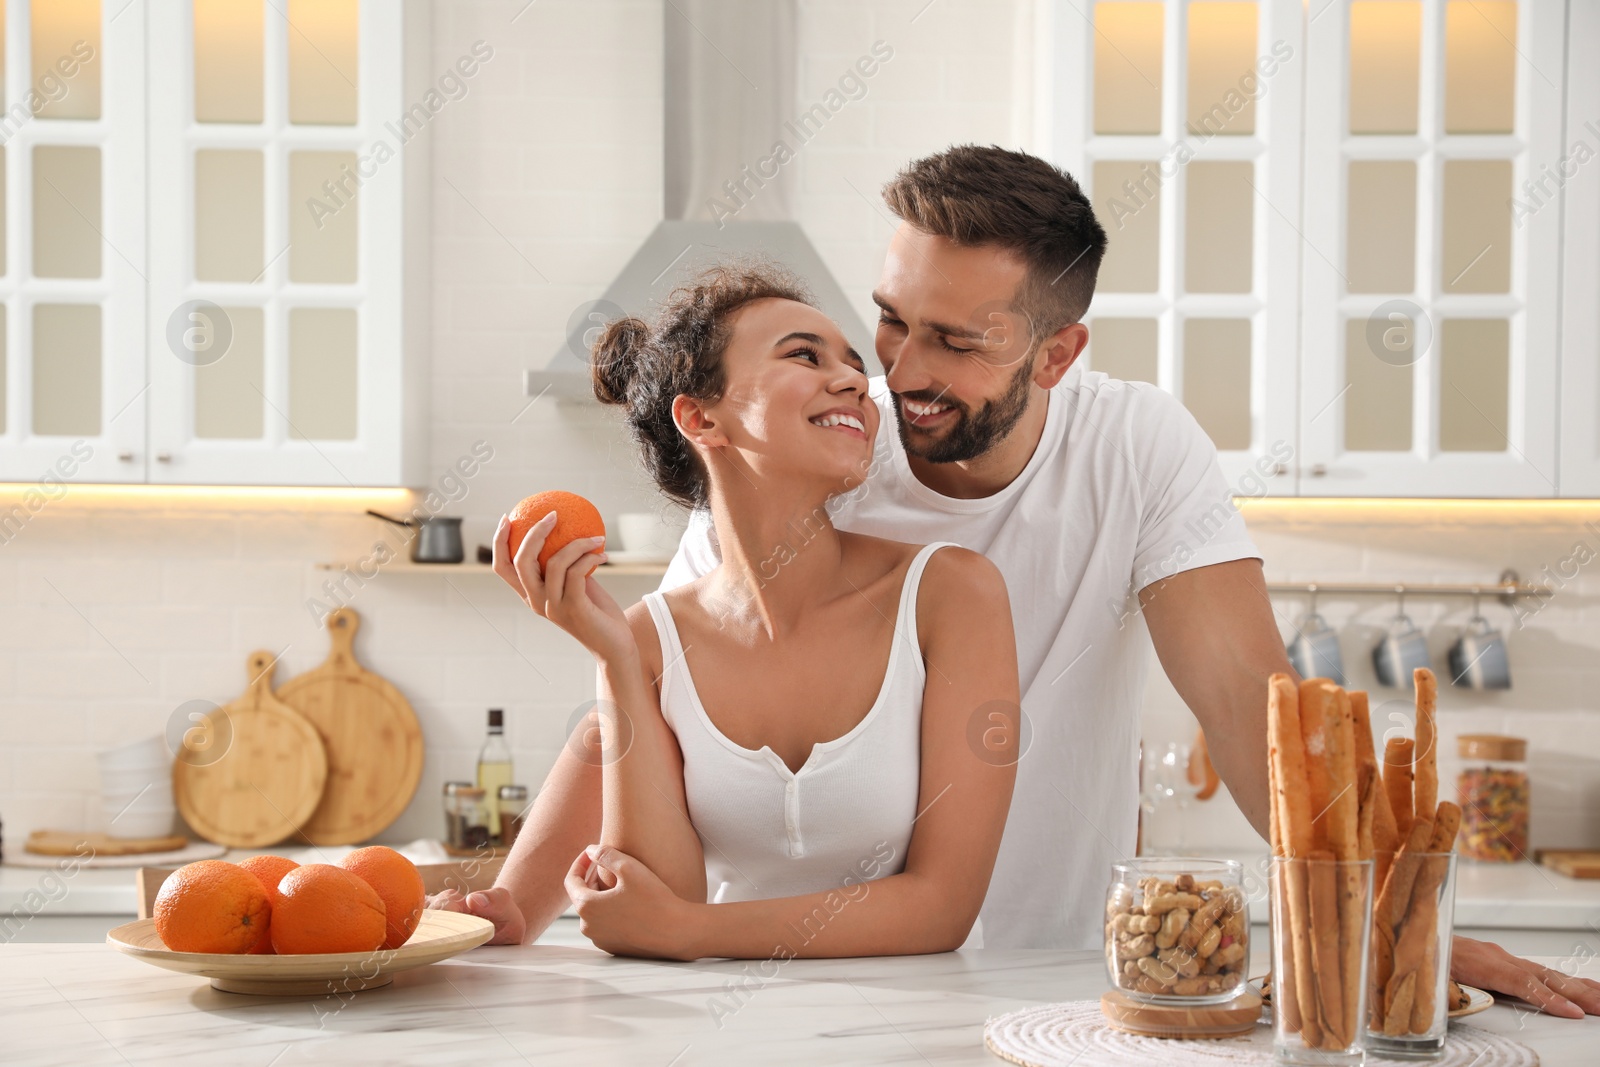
406	566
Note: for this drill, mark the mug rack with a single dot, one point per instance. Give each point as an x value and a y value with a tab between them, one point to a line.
1508	589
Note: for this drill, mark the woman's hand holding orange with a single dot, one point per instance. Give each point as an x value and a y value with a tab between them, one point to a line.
565	593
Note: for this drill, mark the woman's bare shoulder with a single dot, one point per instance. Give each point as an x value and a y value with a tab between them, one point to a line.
959	587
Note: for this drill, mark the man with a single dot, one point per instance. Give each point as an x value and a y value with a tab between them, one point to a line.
1102	504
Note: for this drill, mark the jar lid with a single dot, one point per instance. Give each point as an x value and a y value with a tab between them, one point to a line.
1492	746
452	788
513	792
471	792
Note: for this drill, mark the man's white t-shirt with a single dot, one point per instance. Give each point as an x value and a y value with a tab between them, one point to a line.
1122	490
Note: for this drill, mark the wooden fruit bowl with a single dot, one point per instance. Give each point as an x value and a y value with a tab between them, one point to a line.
440	935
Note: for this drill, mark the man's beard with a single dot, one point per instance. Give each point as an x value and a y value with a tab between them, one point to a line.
973	435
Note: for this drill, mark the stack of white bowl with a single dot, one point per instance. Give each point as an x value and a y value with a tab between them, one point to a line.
136	789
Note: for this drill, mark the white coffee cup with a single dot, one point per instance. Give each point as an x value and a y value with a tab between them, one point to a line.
647	532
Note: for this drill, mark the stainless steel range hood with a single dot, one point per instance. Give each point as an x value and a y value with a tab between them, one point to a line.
731	139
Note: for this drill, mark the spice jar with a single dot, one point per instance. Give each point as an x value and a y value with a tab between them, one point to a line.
513	803
466	818
1492	790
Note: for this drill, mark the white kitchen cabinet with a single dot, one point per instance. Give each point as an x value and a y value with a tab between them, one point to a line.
1407	339
1431	307
1194	172
72	286
288	254
246	304
1577	172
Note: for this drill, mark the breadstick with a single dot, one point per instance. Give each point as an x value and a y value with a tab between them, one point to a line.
1395	898
1325	948
1316	701
1396	895
1366	806
1385	836
1397	1005
1425	1000
1423	916
1371	789
1293	953
1344	836
1339	742
1425	787
1287	753
1397	757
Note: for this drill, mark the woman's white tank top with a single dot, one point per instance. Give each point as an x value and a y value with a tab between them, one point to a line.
844	818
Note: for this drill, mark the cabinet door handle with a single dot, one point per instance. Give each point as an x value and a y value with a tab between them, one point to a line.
163	457
1319	470
126	457
1281	469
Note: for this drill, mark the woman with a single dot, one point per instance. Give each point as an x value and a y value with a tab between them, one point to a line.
815	742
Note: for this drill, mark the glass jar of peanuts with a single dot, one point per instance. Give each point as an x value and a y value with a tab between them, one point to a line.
1492	789
1177	930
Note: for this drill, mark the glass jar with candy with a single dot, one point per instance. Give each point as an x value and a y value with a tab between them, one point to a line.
1492	789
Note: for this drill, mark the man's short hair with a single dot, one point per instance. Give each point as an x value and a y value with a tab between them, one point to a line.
975	195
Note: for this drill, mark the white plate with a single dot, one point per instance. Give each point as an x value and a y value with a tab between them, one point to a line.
1477	1000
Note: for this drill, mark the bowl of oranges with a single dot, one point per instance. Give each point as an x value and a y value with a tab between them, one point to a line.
269	925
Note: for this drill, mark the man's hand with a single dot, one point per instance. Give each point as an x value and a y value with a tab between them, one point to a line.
1494	970
637	916
494	904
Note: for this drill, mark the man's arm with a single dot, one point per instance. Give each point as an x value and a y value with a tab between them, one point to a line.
1215	636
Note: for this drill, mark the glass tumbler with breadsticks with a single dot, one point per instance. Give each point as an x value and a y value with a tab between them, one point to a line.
1414	834
1323	792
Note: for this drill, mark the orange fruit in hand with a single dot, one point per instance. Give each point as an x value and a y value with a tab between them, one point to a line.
575	518
398	882
326	909
211	906
270	871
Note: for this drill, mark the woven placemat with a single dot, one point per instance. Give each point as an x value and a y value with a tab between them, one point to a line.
1076	1034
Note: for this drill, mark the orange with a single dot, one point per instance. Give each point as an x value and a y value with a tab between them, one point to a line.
575	518
211	906
399	884
270	870
326	909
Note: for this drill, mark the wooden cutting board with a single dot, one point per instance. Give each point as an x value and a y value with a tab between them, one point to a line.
74	843
1574	863
371	735
269	778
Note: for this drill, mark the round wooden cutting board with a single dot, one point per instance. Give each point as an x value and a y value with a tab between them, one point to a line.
269	778
371	735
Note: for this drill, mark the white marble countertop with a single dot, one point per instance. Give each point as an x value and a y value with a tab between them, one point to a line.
88	1004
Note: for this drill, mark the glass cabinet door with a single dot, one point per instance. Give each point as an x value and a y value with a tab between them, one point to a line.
1186	138
275	317
1431	248
72	243
1580	269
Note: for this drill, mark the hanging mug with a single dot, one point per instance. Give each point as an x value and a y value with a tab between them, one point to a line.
1402	650
1478	658
1314	652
